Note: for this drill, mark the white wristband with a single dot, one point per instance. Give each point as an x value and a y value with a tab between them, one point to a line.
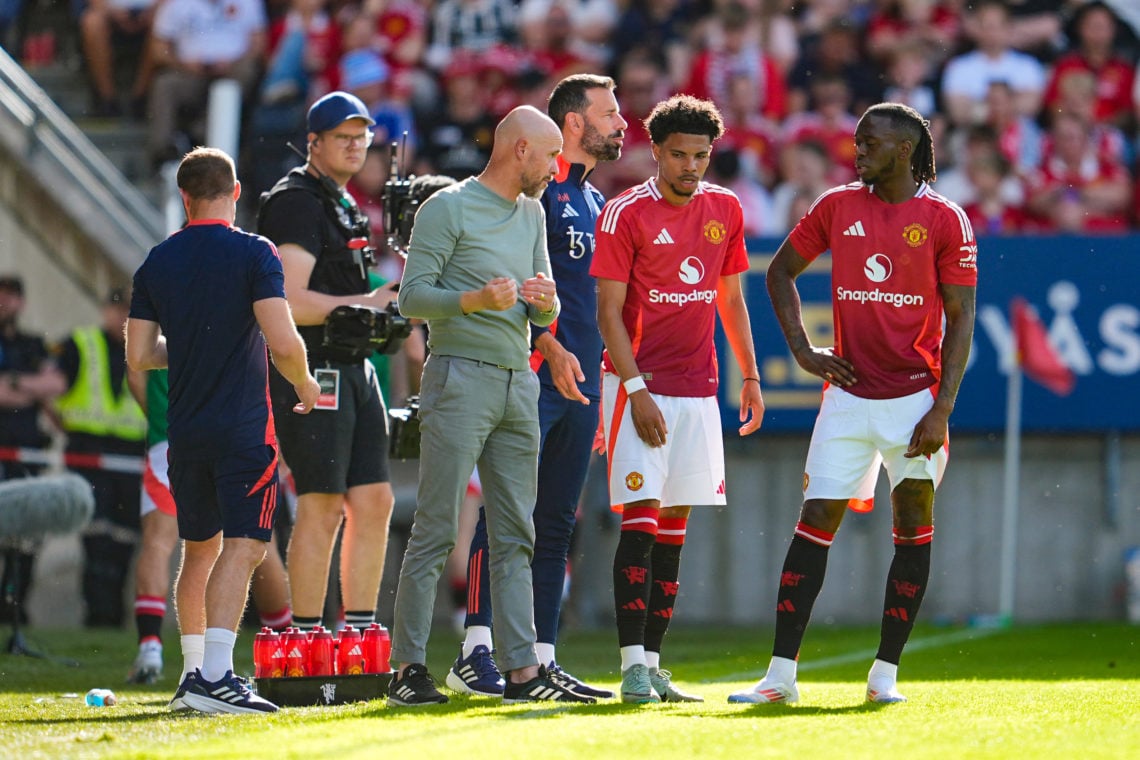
633	385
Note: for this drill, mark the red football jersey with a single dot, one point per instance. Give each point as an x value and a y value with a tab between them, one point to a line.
888	260
671	258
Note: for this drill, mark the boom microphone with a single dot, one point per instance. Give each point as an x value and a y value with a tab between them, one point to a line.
33	507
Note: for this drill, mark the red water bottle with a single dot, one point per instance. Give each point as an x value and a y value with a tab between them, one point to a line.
296	653
377	649
276	649
262	653
321	659
350	652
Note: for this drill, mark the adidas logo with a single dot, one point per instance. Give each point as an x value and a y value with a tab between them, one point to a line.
663	238
568	212
855	230
541	692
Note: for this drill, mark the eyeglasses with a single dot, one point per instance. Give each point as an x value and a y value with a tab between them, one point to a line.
345	141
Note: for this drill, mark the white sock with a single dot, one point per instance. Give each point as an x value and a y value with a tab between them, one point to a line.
781	670
653	660
193	645
632	655
883	673
545	653
476	635
218	657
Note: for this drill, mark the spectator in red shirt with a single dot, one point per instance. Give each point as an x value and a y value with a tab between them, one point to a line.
302	54
550	40
733	48
897	23
1096	36
1075	190
747	131
831	123
1018	136
401	31
641	84
1077	95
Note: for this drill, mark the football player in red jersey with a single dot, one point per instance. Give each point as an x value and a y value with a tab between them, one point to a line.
902	258
668	257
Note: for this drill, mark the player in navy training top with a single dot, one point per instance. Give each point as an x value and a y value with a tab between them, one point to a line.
567	358
206	302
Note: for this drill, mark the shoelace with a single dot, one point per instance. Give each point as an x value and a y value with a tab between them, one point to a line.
561	677
484	661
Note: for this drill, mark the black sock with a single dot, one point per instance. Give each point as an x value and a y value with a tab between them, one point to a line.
306	624
906	585
359	619
800	582
632	579
666	563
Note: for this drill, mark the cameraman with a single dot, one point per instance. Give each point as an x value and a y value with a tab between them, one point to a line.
338	454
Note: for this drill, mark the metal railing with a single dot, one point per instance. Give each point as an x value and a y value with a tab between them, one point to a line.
102	201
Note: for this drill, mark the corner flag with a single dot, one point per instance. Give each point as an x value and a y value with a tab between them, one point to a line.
1035	354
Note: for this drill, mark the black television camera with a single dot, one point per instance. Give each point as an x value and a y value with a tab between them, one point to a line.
404	438
353	333
399	204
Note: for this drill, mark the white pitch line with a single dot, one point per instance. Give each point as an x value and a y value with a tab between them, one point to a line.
929	642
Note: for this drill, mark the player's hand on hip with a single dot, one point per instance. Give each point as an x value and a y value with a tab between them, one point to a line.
539	291
308	392
499	294
825	363
647	419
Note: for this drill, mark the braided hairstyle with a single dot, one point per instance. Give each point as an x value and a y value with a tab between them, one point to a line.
910	122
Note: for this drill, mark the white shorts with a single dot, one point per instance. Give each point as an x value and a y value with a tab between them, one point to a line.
156	483
688	470
853	436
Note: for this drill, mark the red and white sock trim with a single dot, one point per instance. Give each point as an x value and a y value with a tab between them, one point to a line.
921	534
671	530
277	620
815	535
150	605
642	519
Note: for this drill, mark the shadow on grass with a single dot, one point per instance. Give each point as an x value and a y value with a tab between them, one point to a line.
790	711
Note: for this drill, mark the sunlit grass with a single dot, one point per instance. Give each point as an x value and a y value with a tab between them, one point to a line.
1043	691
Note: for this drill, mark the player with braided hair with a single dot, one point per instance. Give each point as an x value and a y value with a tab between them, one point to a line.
902	257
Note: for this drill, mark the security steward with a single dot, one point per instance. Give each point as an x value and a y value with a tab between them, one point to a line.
338	453
104	426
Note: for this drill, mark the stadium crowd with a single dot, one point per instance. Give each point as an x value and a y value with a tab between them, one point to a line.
1033	103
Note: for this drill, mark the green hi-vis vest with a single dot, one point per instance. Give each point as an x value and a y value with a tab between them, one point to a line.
89	406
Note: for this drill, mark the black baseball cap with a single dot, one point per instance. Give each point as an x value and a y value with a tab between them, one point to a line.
335	109
12	283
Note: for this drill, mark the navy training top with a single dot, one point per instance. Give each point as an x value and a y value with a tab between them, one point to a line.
572	207
200	285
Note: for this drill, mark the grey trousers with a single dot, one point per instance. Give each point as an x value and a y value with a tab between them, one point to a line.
473	413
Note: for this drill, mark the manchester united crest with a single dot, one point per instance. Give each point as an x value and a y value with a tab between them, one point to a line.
914	235
714	231
634	481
